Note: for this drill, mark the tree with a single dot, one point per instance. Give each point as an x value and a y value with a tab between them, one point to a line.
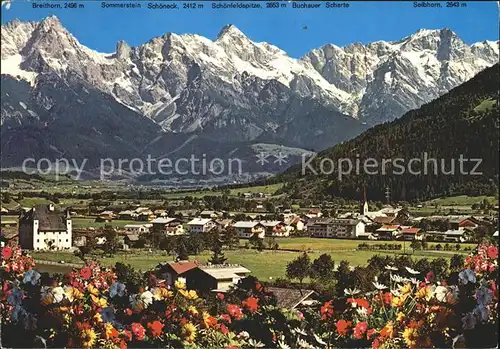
217	254
344	278
416	245
299	268
323	267
182	251
257	242
194	244
230	237
111	245
456	262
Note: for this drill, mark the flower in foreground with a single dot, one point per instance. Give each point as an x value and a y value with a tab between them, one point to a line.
390	267
179	285
155	328
251	304
88	337
189	332
412	271
342	326
351	291
379	286
410	336
466	276
138	331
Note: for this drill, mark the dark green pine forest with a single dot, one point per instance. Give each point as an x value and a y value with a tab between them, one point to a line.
463	121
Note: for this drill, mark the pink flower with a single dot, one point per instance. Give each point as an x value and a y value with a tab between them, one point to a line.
492	252
86	273
138	331
360	329
6	253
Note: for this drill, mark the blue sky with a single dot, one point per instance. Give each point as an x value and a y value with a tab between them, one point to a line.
100	29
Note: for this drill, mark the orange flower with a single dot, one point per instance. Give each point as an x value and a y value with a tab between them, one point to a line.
342	326
251	304
155	328
360	329
388	330
326	310
234	311
110	331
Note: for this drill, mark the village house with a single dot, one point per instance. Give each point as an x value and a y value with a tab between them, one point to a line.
138	228
314	213
200	225
215	278
411	233
127	215
336	228
131	240
106	216
388	232
457	235
246	229
298	224
174	271
210	214
276	228
171	226
44	228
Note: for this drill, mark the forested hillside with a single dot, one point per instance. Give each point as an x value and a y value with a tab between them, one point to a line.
462	122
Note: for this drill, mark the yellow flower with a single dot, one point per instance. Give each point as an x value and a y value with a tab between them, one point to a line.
192	309
410	335
189	294
93	290
406	288
188	332
179	285
97	317
88	338
73	293
162	293
99	302
400	317
425	292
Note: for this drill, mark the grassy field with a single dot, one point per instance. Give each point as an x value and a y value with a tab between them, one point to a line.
266	189
264	265
461	200
86	222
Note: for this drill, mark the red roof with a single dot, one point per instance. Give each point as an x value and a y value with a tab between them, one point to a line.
183	266
410	230
315	211
466	223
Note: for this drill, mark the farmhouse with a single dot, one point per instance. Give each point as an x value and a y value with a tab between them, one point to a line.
216	278
200	225
275	228
388	232
174	271
138	228
411	233
44	228
170	226
246	229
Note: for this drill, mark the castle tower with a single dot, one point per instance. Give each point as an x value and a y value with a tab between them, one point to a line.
363	210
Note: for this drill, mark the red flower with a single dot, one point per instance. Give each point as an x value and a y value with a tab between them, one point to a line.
86	273
128	311
224	329
220	296
360	329
326	310
387	298
342	326
363	303
234	311
251	304
128	335
375	343
258	286
226	318
138	331
492	252
430	277
155	328
370	333
6	253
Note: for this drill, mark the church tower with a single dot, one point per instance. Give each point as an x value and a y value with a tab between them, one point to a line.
363	209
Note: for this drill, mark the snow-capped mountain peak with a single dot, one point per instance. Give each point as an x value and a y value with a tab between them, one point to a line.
372	82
